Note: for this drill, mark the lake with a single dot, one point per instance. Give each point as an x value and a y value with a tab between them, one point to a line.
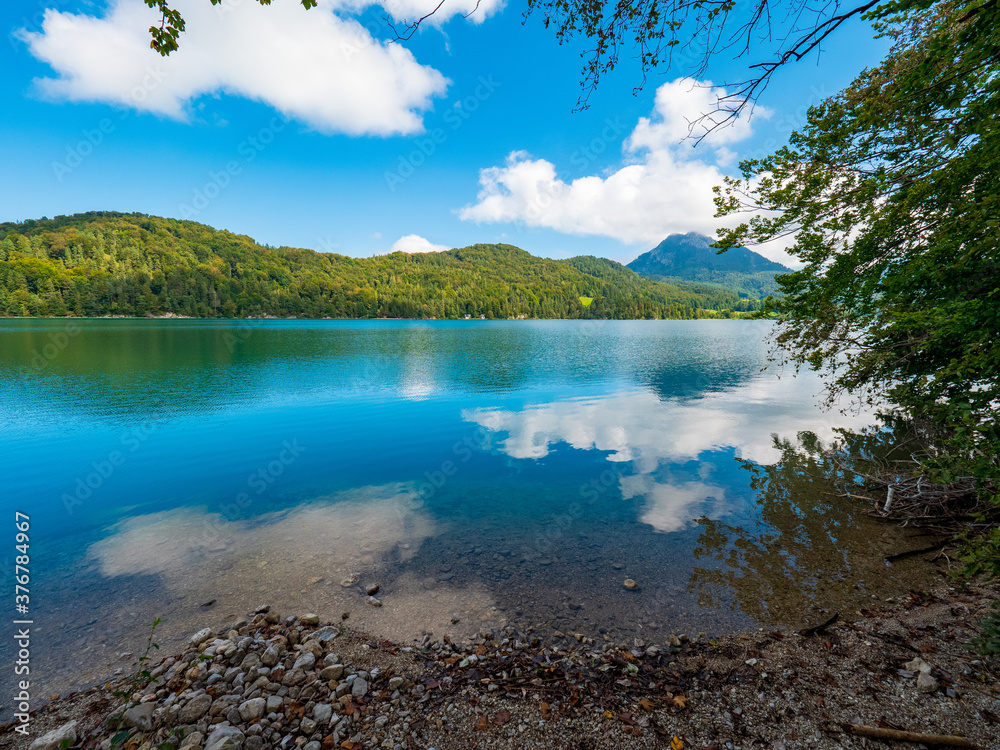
482	473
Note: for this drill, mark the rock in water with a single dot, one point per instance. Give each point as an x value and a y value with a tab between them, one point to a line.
310	619
52	740
350	580
372	589
630	584
374	602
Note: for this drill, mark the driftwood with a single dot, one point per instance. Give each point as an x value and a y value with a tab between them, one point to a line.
821	627
912	552
946	740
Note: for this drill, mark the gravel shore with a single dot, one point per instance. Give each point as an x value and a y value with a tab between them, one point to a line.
278	681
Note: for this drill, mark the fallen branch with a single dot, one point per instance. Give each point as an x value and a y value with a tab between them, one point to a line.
879	733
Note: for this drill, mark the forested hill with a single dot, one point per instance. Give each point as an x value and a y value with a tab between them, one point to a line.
97	264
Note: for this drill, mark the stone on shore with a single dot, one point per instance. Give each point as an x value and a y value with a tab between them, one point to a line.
325	634
333	672
305	662
195	709
270	656
140	717
926	683
200	637
55	738
359	689
224	738
252	709
322	712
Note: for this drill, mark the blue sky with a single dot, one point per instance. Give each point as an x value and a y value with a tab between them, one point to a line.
302	128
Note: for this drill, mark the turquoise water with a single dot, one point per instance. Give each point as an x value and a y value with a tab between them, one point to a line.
483	473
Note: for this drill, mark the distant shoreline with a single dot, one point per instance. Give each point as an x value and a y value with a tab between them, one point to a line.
470	320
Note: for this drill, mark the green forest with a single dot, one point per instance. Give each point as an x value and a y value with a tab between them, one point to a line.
100	264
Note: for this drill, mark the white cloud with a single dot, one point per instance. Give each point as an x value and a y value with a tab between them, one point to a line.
414	243
671	506
663	186
317	66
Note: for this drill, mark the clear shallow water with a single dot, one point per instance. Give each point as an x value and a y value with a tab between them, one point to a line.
483	473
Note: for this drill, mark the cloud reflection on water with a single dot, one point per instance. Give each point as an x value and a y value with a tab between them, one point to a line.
650	434
333	533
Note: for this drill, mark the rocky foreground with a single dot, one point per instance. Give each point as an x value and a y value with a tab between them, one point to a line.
292	682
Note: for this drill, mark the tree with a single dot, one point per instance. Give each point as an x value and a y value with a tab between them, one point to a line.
892	193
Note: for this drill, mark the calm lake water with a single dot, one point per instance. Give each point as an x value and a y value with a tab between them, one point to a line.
482	472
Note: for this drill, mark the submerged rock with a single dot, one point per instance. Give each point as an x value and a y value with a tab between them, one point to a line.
630	584
351	580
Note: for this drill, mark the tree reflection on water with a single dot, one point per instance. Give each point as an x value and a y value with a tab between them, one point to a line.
813	550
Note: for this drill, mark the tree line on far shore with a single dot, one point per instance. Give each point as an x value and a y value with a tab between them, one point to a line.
99	264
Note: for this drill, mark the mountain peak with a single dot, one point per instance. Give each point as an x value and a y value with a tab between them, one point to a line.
691	256
691	251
